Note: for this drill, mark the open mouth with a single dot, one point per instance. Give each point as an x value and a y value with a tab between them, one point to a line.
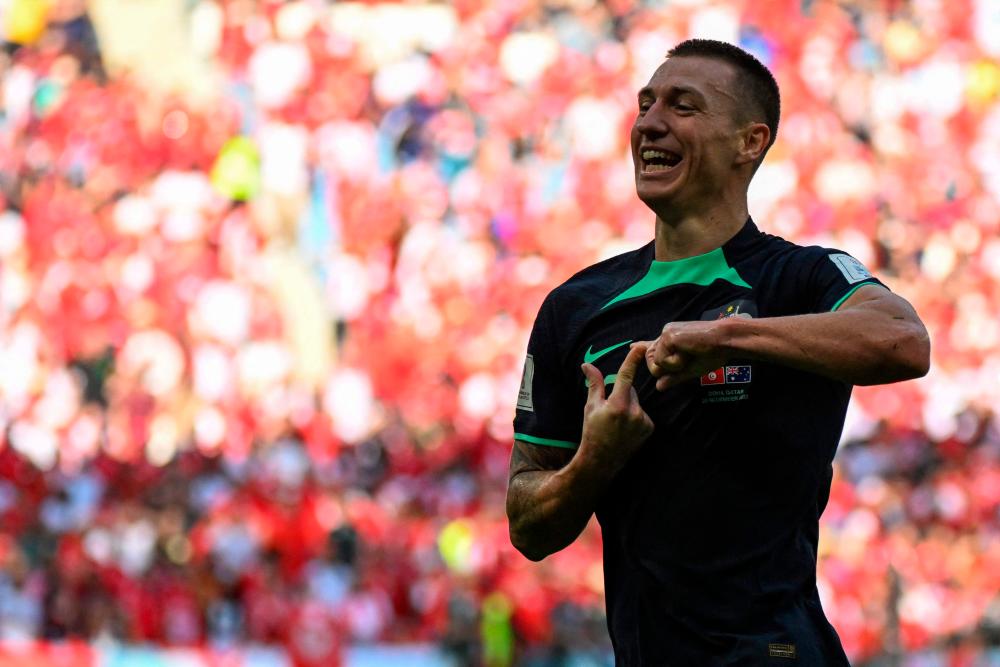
656	160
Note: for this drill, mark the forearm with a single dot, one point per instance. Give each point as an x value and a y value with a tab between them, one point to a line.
552	494
859	346
548	509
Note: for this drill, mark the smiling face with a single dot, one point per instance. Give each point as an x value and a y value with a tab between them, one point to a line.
686	138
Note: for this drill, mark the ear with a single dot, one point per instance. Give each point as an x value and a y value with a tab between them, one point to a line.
754	139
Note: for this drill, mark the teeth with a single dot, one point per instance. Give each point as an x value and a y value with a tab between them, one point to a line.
656	167
649	155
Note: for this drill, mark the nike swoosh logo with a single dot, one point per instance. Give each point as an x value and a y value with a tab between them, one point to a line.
590	357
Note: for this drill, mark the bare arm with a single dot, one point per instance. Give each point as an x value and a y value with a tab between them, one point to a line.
552	492
874	338
548	503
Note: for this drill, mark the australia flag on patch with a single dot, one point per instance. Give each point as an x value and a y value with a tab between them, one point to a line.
737	374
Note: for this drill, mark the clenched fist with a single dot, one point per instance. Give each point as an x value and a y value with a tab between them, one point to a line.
687	350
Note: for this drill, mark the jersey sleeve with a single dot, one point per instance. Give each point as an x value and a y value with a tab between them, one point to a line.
549	412
830	276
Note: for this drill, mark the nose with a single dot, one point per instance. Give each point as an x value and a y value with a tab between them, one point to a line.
652	123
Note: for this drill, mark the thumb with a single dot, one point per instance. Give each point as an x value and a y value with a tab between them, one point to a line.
595	381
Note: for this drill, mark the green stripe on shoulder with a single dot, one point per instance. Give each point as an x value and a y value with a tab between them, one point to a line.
698	270
565	444
851	291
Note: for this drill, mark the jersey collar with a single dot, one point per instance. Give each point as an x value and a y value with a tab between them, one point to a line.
701	269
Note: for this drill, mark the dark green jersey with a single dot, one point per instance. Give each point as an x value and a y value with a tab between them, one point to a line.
710	531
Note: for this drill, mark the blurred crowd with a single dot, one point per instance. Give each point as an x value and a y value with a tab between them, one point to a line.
259	347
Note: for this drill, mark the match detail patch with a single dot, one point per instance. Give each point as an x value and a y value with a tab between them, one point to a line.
781	650
727	375
853	270
524	401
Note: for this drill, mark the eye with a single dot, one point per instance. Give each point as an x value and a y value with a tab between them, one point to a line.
684	107
644	106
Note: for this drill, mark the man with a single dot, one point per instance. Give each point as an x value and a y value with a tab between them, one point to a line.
732	354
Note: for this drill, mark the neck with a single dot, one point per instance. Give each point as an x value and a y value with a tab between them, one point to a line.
689	234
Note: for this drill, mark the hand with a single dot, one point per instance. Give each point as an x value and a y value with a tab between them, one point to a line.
615	427
686	350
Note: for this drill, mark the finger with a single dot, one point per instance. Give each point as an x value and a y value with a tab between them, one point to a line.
644	347
629	367
663	362
654	368
673	363
648	346
595	382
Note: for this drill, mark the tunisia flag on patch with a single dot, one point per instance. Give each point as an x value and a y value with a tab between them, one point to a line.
718	376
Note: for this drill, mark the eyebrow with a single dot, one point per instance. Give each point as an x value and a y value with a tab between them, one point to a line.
647	91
